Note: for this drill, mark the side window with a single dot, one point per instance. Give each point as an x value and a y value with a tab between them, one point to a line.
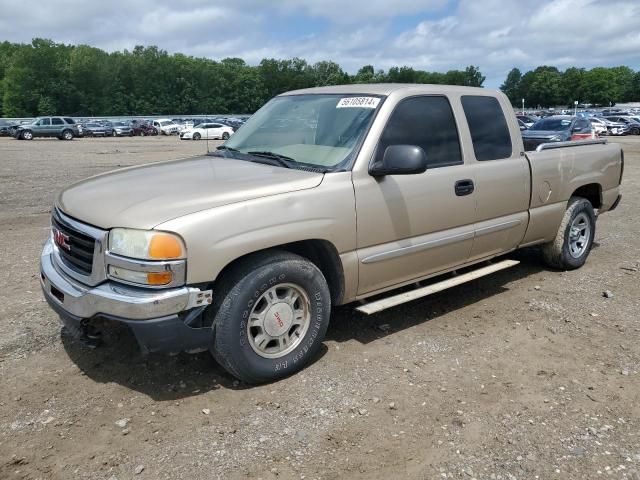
426	122
70	121
45	121
215	125
489	131
57	121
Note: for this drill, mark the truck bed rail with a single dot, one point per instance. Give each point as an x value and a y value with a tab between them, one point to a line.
575	143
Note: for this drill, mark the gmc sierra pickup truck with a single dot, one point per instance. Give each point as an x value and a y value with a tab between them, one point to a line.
326	196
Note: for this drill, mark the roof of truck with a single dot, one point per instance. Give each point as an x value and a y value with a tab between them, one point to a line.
388	88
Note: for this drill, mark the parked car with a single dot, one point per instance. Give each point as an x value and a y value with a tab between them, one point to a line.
633	125
63	128
559	128
121	129
522	125
598	125
166	126
528	120
6	128
615	128
97	130
143	129
245	251
208	131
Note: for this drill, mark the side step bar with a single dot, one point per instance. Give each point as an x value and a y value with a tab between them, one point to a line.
388	302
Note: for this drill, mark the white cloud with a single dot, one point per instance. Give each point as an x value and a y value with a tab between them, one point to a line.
441	35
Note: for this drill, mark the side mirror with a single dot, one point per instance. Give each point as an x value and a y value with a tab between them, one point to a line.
400	160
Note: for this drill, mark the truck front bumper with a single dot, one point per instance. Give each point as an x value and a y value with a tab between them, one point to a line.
161	320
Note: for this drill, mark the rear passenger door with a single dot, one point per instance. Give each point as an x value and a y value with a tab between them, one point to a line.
502	176
57	125
411	226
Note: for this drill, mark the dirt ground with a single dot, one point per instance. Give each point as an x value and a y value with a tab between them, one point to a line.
526	374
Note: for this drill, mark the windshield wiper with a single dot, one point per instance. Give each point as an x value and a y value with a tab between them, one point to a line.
224	147
281	160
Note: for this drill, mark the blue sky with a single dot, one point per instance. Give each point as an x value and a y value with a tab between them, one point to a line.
435	35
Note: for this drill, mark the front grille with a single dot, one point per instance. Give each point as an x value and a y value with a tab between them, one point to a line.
79	255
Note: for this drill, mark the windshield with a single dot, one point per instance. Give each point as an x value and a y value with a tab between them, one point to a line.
165	123
321	131
552	124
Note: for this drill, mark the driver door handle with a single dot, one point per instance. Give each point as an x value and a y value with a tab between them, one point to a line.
464	187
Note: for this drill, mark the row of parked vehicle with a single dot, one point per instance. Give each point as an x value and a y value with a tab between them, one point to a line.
563	128
606	122
66	128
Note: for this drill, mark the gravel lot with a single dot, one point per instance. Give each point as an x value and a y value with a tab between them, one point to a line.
529	373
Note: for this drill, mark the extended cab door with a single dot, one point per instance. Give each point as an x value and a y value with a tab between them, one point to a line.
502	175
409	226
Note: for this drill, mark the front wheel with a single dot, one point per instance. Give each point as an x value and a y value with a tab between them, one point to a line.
27	135
572	245
270	317
225	136
196	136
114	133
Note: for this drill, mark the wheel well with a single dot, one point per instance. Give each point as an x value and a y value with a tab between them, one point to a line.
592	192
321	253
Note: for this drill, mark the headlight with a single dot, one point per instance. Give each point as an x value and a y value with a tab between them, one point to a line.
146	244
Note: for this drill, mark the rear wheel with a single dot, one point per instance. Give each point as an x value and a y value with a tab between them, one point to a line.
225	136
67	135
197	136
270	317
572	245
142	133
114	133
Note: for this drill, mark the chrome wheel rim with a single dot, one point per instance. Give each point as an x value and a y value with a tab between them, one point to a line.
579	235
279	320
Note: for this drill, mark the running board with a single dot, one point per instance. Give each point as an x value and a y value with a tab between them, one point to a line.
388	302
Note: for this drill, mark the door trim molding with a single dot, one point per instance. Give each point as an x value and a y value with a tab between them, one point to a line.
498	227
399	252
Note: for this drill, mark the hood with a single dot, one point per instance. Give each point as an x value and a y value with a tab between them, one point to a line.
145	196
544	133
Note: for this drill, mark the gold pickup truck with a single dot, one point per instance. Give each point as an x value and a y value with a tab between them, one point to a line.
326	196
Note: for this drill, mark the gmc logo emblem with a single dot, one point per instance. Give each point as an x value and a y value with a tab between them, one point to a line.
61	239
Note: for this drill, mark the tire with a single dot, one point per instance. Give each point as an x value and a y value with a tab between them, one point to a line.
256	288
67	135
114	133
225	136
196	136
568	250
142	133
27	135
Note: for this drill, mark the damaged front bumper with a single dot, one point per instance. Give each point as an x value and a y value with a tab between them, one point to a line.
162	321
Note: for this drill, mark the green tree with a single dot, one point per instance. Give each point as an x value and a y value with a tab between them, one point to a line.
511	86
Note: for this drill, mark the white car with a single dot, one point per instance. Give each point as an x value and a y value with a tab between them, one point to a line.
166	126
210	131
598	125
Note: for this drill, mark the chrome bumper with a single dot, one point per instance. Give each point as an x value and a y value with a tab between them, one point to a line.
113	299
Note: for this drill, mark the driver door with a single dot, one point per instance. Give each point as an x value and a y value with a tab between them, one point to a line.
411	226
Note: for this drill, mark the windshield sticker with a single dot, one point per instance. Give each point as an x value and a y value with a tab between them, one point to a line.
358	102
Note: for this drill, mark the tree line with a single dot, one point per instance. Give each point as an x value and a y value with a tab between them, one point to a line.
547	86
45	78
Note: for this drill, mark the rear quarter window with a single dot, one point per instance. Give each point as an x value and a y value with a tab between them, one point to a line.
488	126
70	121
